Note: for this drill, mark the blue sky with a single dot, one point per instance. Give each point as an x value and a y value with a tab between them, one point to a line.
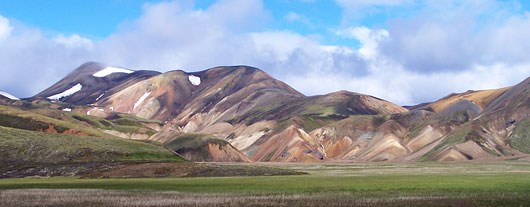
100	18
405	51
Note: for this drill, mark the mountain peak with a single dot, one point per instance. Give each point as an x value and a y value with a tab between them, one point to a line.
91	81
344	93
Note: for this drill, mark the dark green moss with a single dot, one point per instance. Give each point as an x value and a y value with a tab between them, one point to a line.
193	141
22	123
127	122
379	120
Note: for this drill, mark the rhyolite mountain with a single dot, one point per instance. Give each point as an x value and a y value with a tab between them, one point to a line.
240	113
93	81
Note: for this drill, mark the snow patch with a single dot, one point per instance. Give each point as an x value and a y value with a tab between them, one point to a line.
68	92
323	150
109	70
195	80
67	109
141	99
100	96
94	109
9	96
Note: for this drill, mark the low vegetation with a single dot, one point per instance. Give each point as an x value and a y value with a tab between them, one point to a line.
454	138
414	184
52	120
520	138
193	141
23	146
196	144
136	119
126	124
17	118
285	110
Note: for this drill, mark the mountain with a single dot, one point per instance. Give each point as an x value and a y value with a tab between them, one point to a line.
173	95
92	81
240	113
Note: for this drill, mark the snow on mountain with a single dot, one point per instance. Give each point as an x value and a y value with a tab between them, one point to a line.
141	99
7	95
194	80
100	96
109	70
68	92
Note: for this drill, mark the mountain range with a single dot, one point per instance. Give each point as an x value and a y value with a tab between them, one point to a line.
242	114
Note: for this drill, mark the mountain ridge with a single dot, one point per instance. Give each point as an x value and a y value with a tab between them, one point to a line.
265	119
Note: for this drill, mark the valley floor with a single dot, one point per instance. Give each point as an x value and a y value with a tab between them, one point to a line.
502	183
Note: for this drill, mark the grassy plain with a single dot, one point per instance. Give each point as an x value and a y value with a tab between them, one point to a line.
502	183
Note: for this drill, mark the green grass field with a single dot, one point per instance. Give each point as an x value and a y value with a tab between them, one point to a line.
505	183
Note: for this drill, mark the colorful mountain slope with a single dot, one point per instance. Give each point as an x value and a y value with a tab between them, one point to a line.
258	118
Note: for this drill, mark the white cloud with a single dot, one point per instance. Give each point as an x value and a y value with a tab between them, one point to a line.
73	41
415	59
5	29
32	62
295	17
369	39
292	16
510	42
468	34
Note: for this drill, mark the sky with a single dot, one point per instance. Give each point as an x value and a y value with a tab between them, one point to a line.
404	51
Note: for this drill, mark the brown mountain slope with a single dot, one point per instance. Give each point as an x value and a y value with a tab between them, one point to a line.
288	139
507	119
338	104
482	98
223	93
173	95
161	97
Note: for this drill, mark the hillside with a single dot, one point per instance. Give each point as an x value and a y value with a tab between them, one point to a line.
28	153
24	146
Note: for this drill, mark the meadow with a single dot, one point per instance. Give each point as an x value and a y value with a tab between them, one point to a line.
501	183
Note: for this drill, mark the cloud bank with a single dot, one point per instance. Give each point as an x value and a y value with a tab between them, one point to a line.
415	59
